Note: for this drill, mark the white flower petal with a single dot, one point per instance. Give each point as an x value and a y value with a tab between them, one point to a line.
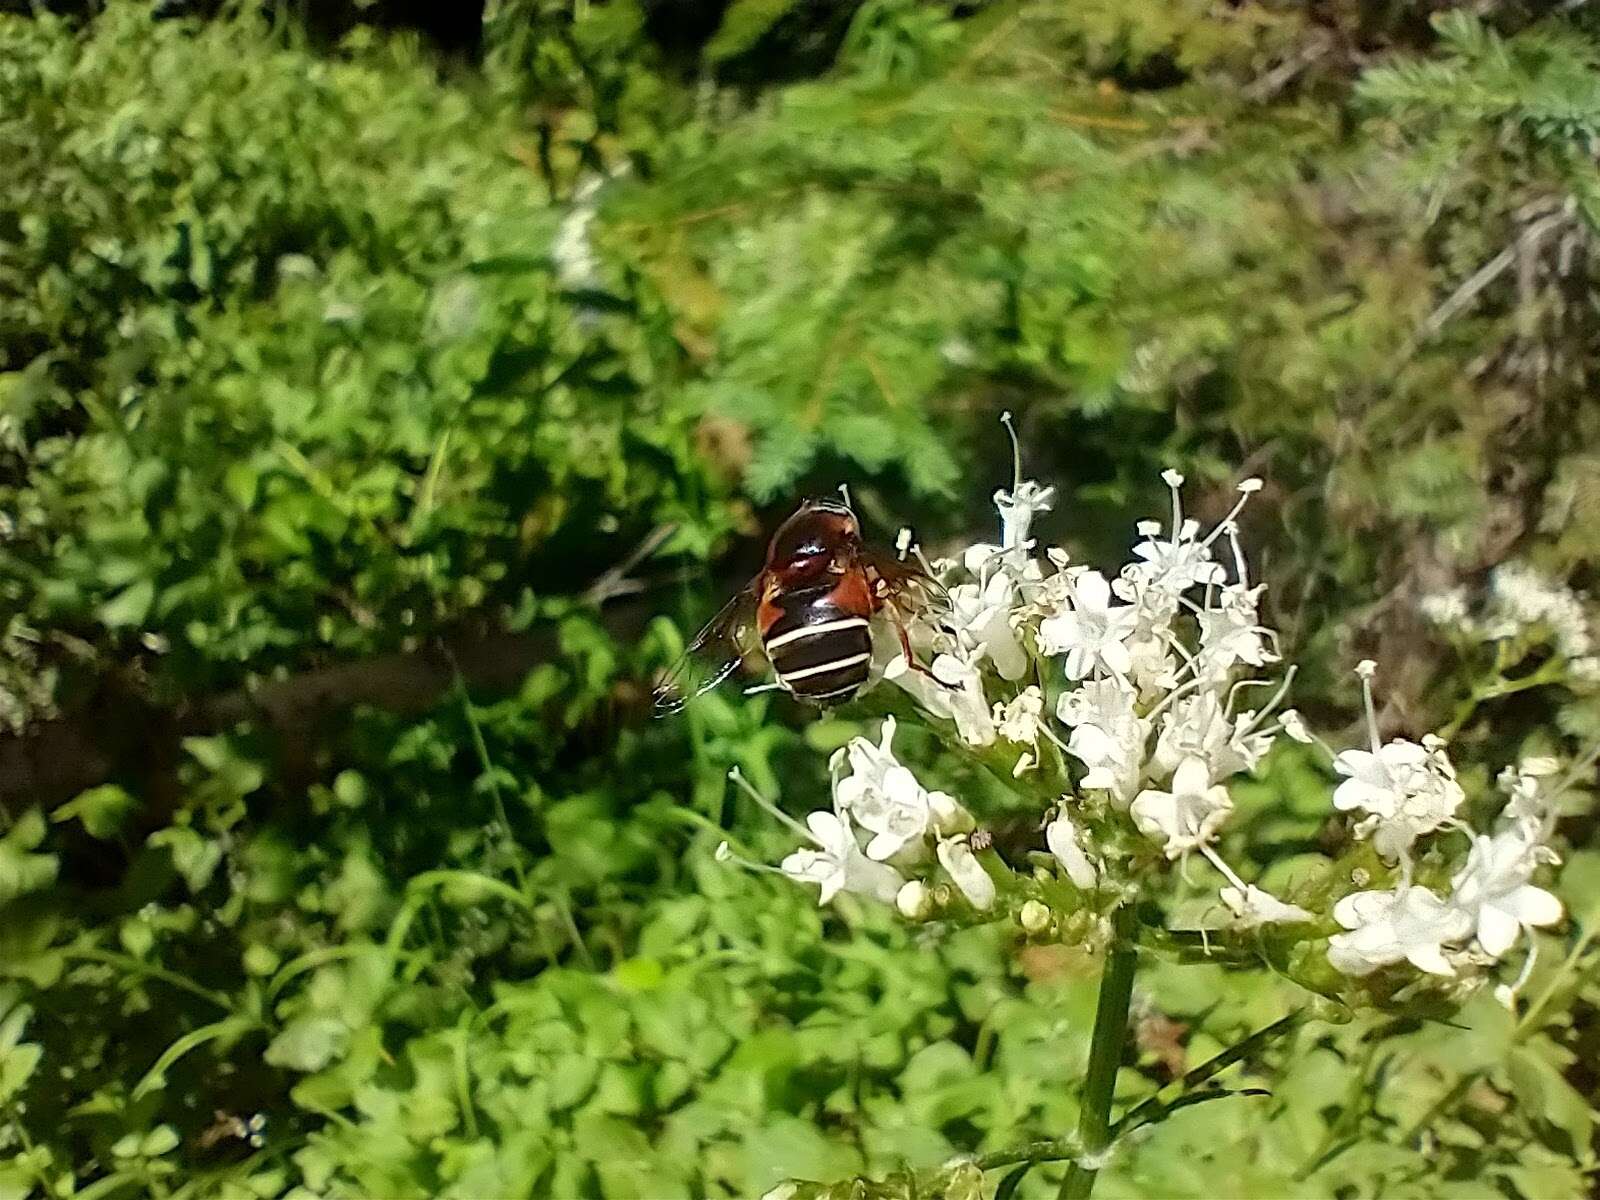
1497	931
1534	906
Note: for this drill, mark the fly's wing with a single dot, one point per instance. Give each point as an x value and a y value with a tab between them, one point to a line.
713	655
902	584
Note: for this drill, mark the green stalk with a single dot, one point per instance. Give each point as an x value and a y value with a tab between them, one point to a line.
1105	1055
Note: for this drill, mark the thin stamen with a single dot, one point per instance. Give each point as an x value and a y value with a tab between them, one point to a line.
1238	555
1227	871
725	853
1222	525
1177	693
1045	729
1016	454
735	774
1527	965
1277	696
1189	660
1372	711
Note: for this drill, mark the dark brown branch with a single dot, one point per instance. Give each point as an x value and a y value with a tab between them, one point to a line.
123	735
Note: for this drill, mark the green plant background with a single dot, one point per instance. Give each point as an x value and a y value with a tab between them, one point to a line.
340	856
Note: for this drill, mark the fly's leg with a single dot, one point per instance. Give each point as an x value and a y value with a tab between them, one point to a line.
911	658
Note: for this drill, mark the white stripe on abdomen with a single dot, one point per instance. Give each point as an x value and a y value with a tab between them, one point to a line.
837	664
795	635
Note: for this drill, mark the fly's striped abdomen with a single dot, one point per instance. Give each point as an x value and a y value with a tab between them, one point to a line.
820	652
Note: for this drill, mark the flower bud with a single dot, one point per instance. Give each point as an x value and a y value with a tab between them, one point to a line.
1294	725
914	900
1034	917
956	857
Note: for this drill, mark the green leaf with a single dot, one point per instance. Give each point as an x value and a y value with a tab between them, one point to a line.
160	1140
194	857
1547	1097
101	810
130	606
638	974
1580	888
18	1059
743	25
789	1148
21	871
308	1043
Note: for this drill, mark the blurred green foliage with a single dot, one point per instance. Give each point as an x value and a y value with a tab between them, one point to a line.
314	353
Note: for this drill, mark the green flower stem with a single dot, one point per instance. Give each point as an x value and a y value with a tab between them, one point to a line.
1155	1108
137	966
1551	672
1052	1150
1105	1054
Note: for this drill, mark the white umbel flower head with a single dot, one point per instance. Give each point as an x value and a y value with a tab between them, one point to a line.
1108	736
1522	596
1181	561
1020	718
886	799
1091	634
1018	508
1231	632
1530	793
1407	790
1198	726
1493	889
1447	608
979	618
964	696
837	864
1188	815
1410	924
955	693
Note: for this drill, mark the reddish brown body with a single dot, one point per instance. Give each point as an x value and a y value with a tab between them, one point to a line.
811	607
817	600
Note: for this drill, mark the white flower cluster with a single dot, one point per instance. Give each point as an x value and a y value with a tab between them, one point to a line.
882	819
1156	664
1134	694
1406	792
1520	600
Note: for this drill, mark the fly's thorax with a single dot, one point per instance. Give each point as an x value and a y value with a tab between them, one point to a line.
818	534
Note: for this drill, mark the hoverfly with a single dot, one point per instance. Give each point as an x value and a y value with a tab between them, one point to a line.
810	608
